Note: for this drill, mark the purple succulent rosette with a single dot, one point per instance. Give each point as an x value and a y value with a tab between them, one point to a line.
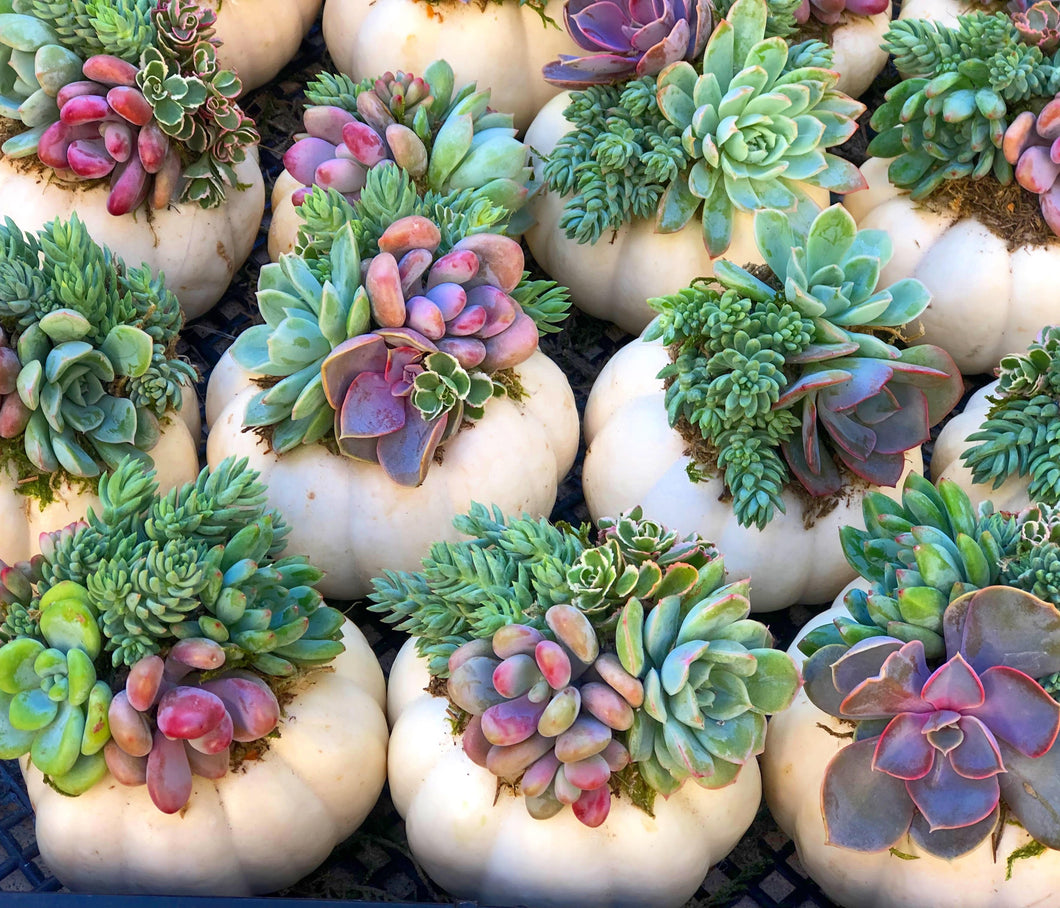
830	12
938	752
629	39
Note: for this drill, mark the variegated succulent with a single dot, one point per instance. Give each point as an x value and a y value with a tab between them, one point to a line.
937	753
182	605
1038	23
131	91
575	662
93	349
447	140
754	362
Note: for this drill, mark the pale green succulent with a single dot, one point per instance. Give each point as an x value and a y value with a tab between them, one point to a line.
755	130
174	97
119	27
445	387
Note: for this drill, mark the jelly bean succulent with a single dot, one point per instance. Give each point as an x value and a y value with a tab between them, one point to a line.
144	638
589	671
744	133
131	91
445	140
387	356
943	750
91	346
1021	434
785	374
629	39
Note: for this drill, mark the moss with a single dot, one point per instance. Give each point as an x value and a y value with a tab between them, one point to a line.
903	856
538	6
513	387
32	482
630	783
1030	850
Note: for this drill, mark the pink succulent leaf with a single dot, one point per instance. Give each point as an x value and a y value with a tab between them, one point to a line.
168	774
946	736
857	440
406	337
866	378
1050	202
364	450
864	659
952	843
1036	171
863	810
894	690
1019	136
1031	789
127	769
592	807
207	765
933	371
364	353
144	682
412	267
1047	125
656	32
188	712
809	383
303	158
1018	710
903	751
398	360
877	469
811	442
599	26
906	427
825	480
954	686
499	307
216	740
978	754
254	709
500	258
406	455
867	7
474	742
370	410
949	800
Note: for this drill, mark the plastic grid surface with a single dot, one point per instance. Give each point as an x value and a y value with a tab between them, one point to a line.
374	864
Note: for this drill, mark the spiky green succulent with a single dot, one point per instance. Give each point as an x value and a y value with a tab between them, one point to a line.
1035	562
966	82
123	28
755	131
95	342
1021	434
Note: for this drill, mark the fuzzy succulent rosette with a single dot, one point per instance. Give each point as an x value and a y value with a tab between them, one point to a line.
579	673
397	323
130	92
88	366
446	138
147	639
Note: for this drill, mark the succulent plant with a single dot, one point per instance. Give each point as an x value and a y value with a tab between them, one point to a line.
754	143
629	39
919	555
1028	147
52	705
641	541
935	753
830	12
1038	24
120	27
1035	562
1021	434
752	363
193	724
445	141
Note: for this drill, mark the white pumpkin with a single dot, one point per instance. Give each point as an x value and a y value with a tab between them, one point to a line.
259	37
355	521
199	250
977	314
614	278
799	743
23	519
283	228
259	828
502	46
953	441
945	12
633	457
482	846
858	57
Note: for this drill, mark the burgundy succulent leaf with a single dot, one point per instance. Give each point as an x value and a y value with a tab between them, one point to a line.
629	38
831	11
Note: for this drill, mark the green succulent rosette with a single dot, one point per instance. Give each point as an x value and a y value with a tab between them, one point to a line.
88	355
575	662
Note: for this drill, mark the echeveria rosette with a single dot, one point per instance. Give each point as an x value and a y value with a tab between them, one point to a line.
447	140
937	752
756	133
629	39
919	555
1021	434
52	704
640	540
1038	23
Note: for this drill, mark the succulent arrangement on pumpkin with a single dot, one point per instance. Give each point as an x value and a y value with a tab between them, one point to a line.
147	639
577	671
88	356
947	665
395	323
446	139
789	377
129	91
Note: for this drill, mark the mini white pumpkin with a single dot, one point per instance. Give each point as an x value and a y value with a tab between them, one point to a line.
355	521
259	828
799	743
23	519
199	250
502	45
945	12
977	314
479	845
614	278
633	457
259	37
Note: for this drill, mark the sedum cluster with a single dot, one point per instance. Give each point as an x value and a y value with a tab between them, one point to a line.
447	140
129	91
575	662
143	639
1021	434
386	356
787	380
748	131
94	352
